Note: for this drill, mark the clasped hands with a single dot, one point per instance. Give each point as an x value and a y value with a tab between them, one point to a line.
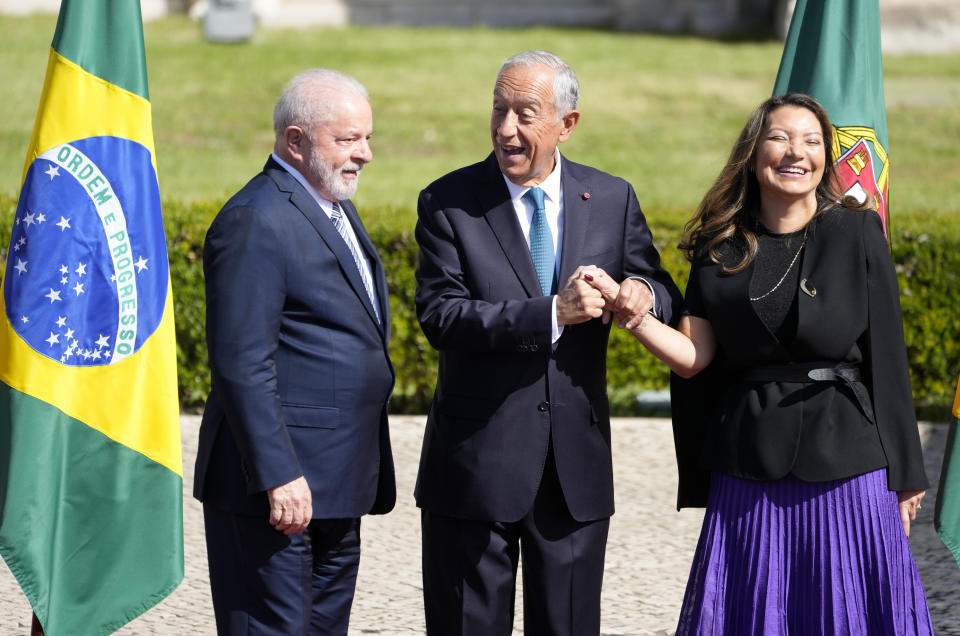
591	293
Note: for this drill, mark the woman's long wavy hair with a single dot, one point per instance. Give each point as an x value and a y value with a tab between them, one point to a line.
728	212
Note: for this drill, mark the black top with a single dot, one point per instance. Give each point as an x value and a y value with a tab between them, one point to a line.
847	313
776	277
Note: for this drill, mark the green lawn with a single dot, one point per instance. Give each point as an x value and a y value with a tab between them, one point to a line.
660	111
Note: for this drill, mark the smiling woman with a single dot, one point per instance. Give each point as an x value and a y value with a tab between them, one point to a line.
797	410
789	167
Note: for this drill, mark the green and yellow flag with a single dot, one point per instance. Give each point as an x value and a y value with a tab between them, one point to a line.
90	465
832	53
947	516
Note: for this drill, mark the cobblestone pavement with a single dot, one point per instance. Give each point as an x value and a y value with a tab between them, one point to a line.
648	554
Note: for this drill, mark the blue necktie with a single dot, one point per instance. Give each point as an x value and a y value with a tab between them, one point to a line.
337	218
541	241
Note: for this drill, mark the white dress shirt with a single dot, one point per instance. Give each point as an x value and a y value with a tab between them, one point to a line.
552	188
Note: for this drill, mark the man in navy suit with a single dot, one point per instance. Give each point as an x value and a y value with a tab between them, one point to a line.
294	445
516	455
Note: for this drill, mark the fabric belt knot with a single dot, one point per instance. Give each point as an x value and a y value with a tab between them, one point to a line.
541	241
336	217
809	372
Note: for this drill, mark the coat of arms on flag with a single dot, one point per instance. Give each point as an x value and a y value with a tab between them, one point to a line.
860	172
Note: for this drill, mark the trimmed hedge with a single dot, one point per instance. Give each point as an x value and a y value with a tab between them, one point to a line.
927	254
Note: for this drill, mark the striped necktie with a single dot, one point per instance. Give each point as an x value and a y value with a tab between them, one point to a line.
541	241
336	217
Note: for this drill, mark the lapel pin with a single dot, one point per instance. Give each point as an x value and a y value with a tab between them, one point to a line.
586	195
809	292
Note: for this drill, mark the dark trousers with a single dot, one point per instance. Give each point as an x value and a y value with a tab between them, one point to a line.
470	570
265	582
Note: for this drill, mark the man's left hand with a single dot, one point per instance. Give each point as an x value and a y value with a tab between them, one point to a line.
634	301
291	506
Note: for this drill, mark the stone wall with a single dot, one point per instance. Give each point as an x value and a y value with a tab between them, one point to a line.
706	17
926	26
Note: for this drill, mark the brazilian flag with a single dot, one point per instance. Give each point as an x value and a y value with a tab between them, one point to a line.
90	464
832	53
947	515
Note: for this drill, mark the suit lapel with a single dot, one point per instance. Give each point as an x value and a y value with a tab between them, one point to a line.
810	316
376	269
303	201
576	219
502	218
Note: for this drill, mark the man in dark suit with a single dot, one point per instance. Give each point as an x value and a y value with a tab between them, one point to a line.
516	454
294	445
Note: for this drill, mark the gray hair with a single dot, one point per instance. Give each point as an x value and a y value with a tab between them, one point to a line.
310	97
566	88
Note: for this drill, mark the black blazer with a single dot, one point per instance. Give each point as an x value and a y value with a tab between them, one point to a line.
299	366
503	390
815	431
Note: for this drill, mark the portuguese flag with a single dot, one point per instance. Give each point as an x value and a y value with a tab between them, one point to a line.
947	516
90	466
832	53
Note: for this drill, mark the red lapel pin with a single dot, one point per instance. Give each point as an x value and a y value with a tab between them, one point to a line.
586	195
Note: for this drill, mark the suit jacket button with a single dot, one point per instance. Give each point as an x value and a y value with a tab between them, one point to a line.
534	347
543	407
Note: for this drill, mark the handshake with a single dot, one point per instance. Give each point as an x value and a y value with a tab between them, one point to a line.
591	293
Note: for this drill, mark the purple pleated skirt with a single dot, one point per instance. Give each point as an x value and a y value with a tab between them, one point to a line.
792	557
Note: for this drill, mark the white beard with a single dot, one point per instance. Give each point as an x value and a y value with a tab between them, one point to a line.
330	179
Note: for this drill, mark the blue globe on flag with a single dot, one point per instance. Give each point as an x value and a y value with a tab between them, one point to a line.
81	286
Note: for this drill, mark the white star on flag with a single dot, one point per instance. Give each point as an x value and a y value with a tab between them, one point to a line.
24	319
53	171
141	264
81	269
64	269
53	295
64	223
103	341
61	321
41	217
53	339
29	219
69	334
78	288
21	267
